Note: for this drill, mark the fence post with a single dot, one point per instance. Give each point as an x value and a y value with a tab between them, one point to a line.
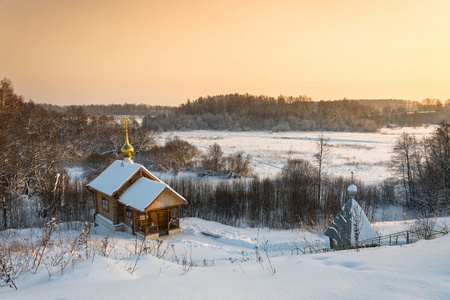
407	237
426	234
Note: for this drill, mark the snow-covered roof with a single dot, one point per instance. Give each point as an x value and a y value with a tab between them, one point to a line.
114	177
119	172
142	193
351	216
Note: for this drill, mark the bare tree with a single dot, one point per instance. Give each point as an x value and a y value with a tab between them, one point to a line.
8	98
213	159
435	172
323	150
180	153
406	162
238	163
141	137
356	215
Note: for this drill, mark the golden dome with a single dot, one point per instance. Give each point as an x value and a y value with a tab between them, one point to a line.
127	150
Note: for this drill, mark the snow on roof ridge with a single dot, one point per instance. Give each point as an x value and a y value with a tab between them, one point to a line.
118	173
113	178
168	186
142	193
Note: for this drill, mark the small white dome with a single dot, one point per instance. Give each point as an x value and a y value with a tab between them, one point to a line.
352	189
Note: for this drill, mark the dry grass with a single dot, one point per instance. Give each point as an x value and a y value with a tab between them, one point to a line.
352	146
212	138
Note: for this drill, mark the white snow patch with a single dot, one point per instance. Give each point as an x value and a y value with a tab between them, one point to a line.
366	154
416	271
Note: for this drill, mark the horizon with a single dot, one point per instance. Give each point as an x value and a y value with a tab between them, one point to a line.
164	53
177	105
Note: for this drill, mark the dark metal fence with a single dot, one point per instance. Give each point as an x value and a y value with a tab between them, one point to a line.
398	238
402	238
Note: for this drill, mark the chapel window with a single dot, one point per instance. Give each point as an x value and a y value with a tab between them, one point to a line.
105	204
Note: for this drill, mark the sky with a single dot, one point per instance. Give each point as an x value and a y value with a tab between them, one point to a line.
165	52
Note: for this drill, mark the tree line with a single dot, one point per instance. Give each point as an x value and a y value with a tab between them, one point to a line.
242	112
288	200
127	109
423	168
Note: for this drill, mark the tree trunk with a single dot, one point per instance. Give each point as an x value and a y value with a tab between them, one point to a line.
5	223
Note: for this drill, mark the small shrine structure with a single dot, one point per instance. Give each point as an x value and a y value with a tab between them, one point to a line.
350	227
128	197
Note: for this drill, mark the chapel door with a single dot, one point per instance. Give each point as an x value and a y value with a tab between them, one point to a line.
163	221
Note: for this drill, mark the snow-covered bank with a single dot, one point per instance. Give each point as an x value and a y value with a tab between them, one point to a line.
416	271
367	154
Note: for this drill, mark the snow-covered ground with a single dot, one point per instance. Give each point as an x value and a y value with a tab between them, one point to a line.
224	259
226	268
366	154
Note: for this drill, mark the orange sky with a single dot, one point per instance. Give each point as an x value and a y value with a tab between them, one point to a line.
164	52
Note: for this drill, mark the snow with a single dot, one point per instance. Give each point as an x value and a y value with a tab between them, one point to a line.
416	271
225	257
110	180
99	216
75	173
142	193
366	154
352	189
365	229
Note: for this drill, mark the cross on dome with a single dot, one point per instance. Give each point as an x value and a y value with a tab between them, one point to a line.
352	189
127	150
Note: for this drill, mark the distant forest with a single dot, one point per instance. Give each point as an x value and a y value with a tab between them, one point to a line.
238	112
242	112
117	109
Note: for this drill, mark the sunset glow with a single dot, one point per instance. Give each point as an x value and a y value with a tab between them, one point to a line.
164	52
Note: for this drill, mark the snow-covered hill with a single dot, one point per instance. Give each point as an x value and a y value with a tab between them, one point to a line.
225	266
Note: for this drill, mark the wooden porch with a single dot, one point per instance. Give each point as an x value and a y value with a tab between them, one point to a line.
158	222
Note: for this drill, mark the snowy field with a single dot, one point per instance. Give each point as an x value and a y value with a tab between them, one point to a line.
366	154
226	267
